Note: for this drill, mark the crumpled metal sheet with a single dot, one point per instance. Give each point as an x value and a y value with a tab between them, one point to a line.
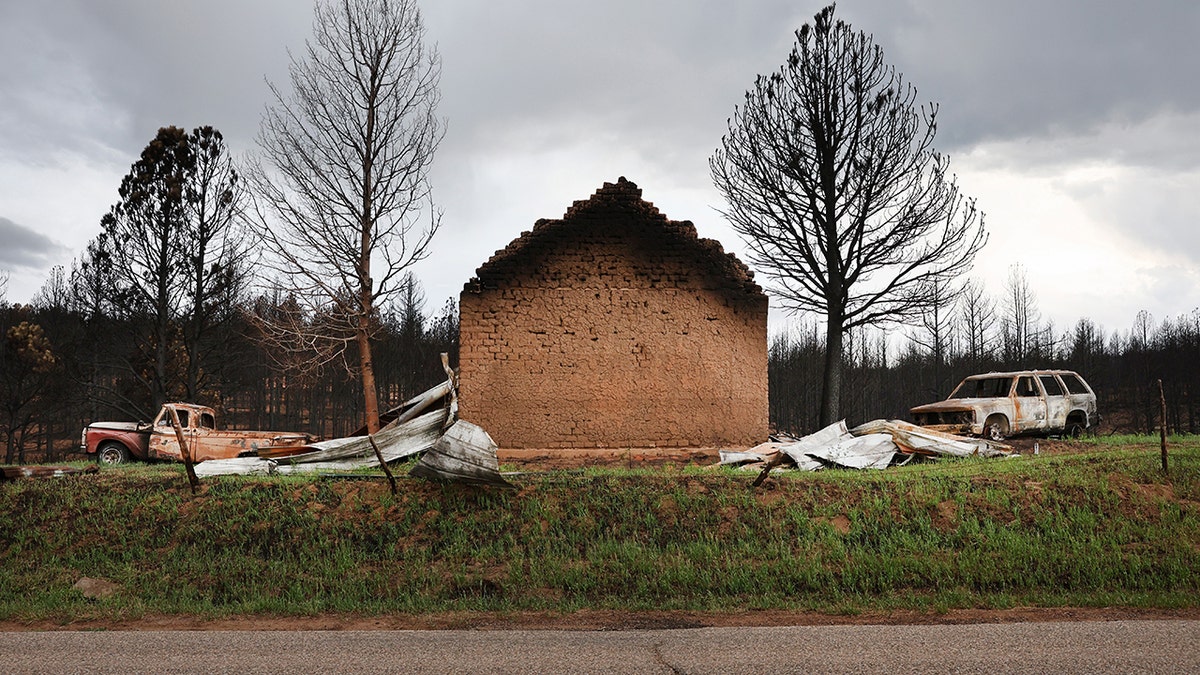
758	453
403	440
920	440
800	451
875	445
831	447
464	454
871	451
415	428
236	466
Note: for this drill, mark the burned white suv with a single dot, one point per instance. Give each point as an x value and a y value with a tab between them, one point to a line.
998	405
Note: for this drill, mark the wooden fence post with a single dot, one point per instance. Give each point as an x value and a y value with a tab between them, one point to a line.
193	480
1162	400
383	464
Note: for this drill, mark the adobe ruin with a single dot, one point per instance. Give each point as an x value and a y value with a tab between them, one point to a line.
614	327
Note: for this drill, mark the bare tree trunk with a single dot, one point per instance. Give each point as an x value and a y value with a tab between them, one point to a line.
370	395
191	337
162	337
831	386
366	284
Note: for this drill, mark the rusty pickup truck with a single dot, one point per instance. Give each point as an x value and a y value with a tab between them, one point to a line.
120	442
998	405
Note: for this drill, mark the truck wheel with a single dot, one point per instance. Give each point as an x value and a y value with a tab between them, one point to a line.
112	453
995	429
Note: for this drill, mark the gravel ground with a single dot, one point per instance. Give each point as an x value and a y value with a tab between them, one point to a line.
1166	646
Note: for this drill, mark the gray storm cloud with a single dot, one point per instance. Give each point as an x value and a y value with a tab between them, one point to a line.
21	247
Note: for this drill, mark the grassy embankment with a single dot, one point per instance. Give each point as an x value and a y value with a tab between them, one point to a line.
1097	527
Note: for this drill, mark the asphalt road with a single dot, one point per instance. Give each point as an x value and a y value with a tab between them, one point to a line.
1168	646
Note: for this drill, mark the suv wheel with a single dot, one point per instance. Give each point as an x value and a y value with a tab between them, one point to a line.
996	428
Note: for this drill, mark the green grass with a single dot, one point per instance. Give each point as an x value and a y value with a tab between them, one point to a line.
1097	527
1130	440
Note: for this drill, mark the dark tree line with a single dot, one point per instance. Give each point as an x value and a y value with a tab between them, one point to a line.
65	362
884	380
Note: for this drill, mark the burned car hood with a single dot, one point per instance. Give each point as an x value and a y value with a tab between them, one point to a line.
120	426
952	405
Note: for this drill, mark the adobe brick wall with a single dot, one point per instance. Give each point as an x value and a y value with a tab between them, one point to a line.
614	328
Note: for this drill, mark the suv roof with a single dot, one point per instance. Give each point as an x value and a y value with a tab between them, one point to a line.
1015	373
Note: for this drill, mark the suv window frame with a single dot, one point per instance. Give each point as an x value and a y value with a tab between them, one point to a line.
1062	389
1036	387
972	385
1067	378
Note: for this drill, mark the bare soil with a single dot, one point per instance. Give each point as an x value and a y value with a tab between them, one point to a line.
552	460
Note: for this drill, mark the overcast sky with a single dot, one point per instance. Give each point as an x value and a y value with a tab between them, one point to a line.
1076	125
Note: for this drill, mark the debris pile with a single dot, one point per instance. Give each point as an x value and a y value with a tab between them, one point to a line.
455	450
874	445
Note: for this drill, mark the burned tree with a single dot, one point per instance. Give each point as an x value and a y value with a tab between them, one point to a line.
147	230
830	176
342	210
164	262
1019	325
27	365
976	320
935	330
936	334
215	258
